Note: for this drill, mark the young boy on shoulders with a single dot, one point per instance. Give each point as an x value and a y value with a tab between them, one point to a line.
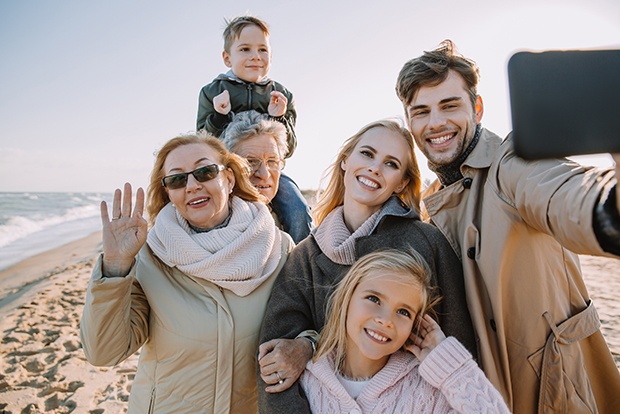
246	86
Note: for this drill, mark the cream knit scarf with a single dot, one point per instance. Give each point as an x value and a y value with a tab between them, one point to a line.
238	257
335	239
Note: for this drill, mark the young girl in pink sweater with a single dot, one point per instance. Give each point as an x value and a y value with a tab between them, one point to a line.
377	313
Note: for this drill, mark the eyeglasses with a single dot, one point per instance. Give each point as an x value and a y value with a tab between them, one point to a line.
202	174
272	164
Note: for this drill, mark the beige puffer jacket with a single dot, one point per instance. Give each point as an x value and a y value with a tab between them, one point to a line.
199	342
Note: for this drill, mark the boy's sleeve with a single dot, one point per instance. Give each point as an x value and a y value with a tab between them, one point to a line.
208	118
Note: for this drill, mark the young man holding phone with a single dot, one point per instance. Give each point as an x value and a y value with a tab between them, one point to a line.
517	226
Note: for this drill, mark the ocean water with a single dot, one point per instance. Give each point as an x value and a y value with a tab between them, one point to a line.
31	223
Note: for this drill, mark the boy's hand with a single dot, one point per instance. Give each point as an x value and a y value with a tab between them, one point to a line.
277	104
426	339
221	103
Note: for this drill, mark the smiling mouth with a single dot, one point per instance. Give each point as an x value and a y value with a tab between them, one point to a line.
367	182
442	139
376	336
199	201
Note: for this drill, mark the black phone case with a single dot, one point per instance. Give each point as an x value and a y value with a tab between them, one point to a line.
565	102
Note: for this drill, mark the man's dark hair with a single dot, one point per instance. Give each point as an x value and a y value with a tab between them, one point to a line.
432	68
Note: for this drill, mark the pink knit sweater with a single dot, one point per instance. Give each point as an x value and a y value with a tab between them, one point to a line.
447	381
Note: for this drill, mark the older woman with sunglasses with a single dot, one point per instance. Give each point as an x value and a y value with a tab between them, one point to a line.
192	290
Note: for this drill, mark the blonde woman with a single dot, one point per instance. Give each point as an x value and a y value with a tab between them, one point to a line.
371	201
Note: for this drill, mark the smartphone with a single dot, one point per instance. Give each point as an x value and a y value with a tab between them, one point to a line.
565	102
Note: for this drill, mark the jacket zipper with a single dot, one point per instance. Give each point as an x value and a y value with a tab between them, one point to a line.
250	96
152	402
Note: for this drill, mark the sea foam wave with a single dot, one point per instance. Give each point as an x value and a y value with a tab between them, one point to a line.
20	227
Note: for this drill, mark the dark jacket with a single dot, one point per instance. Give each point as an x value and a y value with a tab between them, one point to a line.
244	96
301	291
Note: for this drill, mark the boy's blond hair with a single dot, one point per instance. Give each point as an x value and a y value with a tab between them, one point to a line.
236	25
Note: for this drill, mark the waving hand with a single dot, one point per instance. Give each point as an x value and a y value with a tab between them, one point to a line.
124	234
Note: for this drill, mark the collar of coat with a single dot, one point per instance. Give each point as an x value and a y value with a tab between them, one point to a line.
481	157
230	76
395	207
483	154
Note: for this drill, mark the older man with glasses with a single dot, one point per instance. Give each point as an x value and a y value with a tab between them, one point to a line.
262	142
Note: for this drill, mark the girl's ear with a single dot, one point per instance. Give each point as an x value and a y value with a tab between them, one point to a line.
343	165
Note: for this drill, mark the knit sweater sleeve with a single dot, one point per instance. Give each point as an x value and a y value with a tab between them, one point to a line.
451	369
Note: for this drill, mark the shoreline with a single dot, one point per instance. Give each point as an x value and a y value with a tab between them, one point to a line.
21	279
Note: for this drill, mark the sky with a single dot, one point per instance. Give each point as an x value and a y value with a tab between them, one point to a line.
90	90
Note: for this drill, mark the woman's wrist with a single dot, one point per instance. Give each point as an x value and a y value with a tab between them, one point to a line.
116	268
312	337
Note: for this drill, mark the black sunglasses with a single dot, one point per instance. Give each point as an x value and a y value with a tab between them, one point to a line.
202	174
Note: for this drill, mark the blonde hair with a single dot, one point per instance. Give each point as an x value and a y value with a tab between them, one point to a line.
408	266
235	26
333	195
157	195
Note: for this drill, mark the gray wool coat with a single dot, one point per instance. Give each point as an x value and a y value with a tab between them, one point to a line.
301	291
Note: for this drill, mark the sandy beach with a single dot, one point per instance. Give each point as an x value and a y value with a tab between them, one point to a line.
42	365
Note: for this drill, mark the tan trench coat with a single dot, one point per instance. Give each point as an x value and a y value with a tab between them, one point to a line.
200	341
516	227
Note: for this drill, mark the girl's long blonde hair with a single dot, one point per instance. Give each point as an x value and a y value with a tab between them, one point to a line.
333	195
409	267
